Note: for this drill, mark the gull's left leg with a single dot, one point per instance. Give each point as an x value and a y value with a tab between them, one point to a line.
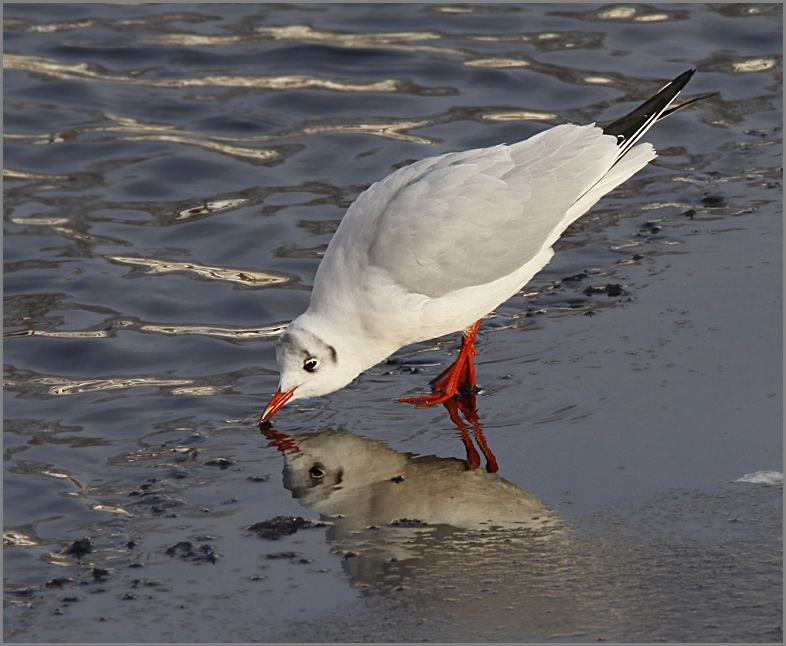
460	375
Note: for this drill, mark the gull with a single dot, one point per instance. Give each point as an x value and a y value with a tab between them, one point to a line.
437	245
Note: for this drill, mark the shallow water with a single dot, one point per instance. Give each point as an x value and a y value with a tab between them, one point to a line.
172	175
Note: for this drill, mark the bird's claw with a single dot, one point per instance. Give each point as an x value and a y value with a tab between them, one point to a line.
429	400
440	396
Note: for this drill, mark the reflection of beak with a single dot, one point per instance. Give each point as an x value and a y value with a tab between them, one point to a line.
279	399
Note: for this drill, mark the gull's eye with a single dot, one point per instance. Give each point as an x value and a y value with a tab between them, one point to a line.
310	365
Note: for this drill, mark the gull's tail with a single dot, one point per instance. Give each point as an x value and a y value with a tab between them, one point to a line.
630	128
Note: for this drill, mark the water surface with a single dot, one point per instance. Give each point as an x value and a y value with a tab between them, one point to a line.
172	175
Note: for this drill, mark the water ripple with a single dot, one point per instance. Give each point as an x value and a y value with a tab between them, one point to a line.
209	207
269	331
12	538
63	386
346	39
10	173
213	273
69	334
84	72
130	129
136	130
497	62
393	130
263	332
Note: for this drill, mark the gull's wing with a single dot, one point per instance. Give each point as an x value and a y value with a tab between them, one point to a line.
466	219
469	218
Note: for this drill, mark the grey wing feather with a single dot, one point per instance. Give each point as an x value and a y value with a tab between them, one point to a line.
469	218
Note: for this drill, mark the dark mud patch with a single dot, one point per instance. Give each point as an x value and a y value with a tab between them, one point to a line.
196	553
275	528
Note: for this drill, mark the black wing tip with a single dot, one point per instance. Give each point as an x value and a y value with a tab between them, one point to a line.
634	124
672	109
682	80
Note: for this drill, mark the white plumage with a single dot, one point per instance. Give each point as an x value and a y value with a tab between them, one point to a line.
437	245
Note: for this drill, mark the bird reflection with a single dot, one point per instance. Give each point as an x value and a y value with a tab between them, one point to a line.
469	429
385	508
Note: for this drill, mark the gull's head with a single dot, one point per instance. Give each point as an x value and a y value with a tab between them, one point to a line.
309	367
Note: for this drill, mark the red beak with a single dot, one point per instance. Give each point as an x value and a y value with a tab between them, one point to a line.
279	399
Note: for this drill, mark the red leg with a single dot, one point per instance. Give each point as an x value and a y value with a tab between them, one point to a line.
461	374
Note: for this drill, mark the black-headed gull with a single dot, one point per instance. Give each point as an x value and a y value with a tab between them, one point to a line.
437	245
